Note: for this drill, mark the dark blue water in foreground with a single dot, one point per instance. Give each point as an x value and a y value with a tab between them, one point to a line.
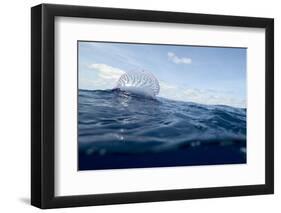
120	130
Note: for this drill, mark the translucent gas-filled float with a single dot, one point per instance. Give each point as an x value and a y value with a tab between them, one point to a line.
139	82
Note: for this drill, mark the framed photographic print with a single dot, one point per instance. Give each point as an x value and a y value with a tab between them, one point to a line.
140	106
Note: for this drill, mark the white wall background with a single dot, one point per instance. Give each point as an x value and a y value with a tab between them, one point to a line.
15	105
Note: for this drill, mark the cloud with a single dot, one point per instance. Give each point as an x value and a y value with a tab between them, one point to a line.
177	60
202	96
106	78
106	72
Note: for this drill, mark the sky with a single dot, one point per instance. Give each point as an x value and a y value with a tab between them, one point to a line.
206	75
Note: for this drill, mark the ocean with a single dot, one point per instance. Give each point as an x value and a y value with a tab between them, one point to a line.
118	130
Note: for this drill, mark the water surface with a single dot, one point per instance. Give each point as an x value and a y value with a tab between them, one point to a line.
117	129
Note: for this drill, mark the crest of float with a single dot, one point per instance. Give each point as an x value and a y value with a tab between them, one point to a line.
139	82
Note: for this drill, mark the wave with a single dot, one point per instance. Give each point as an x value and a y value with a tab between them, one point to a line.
123	122
123	129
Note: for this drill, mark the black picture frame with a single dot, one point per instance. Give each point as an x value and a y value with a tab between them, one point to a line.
43	102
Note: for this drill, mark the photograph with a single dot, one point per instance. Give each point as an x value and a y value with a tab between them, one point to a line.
139	105
144	105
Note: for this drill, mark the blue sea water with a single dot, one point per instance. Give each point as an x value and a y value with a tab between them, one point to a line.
117	129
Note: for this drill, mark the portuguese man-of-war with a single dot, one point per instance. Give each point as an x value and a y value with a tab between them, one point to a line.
139	82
